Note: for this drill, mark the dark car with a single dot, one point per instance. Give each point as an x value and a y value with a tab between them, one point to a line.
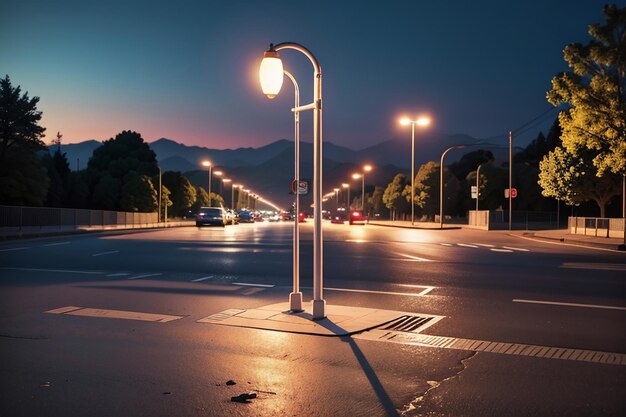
211	216
245	216
357	217
338	216
301	217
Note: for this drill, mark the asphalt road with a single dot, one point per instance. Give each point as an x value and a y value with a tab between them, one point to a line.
490	286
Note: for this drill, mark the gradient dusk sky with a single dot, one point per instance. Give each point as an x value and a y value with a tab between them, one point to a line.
188	70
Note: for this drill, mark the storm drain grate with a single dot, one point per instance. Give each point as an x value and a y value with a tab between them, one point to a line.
407	323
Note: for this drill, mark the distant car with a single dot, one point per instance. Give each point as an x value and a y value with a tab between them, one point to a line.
245	216
301	217
357	217
258	217
338	217
232	217
211	216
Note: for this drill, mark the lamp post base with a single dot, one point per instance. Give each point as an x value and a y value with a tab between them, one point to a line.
319	309
295	302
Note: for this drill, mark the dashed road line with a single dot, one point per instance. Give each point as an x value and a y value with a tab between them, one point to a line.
486	245
245	284
119	274
146	275
114	314
12	249
517	249
407	294
67	271
105	253
466	245
446	244
57	244
415	258
558	303
203	278
501	250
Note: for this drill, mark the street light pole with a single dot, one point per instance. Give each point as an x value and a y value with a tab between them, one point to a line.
510	179
271	75
295	298
422	121
336	190
443	155
208	165
160	190
347	186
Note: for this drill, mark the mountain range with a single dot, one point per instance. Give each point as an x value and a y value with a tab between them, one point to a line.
269	169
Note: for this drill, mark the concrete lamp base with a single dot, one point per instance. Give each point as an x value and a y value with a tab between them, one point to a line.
295	302
319	309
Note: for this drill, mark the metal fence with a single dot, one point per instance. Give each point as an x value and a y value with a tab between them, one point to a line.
40	217
598	227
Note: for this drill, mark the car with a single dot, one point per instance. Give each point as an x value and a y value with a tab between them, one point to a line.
338	217
232	217
211	216
245	216
301	217
357	217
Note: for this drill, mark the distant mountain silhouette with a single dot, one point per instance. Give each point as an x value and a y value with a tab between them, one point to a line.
269	169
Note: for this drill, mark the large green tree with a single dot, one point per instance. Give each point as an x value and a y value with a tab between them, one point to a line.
595	90
23	179
394	197
138	194
427	185
183	194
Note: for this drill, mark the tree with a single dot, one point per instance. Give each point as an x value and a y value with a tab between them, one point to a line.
427	184
595	90
165	201
202	199
138	193
393	196
19	120
377	200
183	195
572	178
106	193
23	179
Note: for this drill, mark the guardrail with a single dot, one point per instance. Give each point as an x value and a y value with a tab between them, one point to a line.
21	219
595	226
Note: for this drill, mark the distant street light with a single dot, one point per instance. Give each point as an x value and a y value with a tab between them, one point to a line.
336	190
443	155
366	168
271	77
347	186
226	181
208	165
422	121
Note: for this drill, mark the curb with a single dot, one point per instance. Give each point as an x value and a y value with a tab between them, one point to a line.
415	227
618	247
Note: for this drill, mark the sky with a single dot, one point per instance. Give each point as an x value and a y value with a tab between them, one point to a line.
188	71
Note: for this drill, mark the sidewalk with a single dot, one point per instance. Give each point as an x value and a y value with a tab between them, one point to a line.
560	235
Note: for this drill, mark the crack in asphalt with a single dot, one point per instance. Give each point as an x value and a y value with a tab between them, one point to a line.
414	406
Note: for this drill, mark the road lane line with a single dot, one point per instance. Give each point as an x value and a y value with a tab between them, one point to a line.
57	244
119	274
596	266
519	249
465	245
203	278
408	294
113	314
68	271
12	249
145	276
415	258
501	250
105	253
486	245
557	303
446	244
582	246
245	284
425	288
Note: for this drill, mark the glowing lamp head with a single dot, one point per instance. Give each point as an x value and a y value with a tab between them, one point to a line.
335	189
367	168
405	121
344	185
271	73
206	164
423	121
356	176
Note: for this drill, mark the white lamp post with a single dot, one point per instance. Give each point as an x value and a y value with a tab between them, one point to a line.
443	155
422	121
208	165
347	186
271	77
336	190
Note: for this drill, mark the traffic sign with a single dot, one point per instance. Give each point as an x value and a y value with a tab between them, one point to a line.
303	187
513	192
474	191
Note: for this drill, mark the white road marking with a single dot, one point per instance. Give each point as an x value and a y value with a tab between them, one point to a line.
69	271
245	284
105	253
426	288
519	249
565	244
119	274
556	303
407	294
596	266
465	245
415	258
113	314
501	250
202	279
486	245
145	275
12	249
57	244
446	244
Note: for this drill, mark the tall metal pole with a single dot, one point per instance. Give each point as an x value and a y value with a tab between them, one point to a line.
412	173
160	188
209	187
443	155
363	193
510	180
295	298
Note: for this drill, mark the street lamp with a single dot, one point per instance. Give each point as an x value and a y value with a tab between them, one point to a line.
347	185
366	168
443	155
422	121
247	197
208	165
336	190
226	181
232	195
295	298
356	176
271	77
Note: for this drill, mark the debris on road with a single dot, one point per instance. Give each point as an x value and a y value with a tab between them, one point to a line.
44	385
231	382
243	398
